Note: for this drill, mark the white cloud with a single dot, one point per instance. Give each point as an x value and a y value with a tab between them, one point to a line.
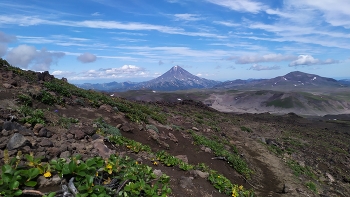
336	13
309	60
187	17
227	23
87	57
259	67
126	71
3	49
240	5
23	56
5	38
96	14
101	24
265	58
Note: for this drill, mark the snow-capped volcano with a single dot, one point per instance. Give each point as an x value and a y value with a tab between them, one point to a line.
177	78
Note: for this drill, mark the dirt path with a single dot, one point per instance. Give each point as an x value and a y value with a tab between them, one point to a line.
271	172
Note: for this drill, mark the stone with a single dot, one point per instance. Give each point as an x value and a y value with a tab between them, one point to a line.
173	138
330	177
49	182
63	147
207	150
186	182
195	129
119	126
4	132
158	173
126	128
52	152
7	86
79	134
65	154
102	149
106	108
153	134
183	158
17	141
69	136
25	150
37	128
199	173
89	131
26	132
42	132
46	143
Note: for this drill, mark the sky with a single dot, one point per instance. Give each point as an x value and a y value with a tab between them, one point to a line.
137	40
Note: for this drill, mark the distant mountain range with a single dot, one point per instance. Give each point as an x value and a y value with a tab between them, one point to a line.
292	80
178	78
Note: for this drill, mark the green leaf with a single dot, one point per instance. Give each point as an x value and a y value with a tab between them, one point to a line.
18	193
52	194
7	169
81	173
30	183
14	185
90	162
33	172
72	166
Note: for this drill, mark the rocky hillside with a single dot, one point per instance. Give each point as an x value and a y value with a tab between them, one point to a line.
63	141
278	102
292	81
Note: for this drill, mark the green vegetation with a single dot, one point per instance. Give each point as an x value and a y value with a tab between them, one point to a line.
154	128
25	100
91	178
65	122
311	186
219	181
31	116
219	150
300	170
243	128
282	103
104	128
136	112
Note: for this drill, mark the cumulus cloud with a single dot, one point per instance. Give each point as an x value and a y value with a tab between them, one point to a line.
87	58
24	56
309	60
3	49
259	67
4	40
126	71
265	58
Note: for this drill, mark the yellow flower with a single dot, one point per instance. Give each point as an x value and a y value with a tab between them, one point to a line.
96	174
31	164
155	163
109	166
240	187
137	162
218	176
47	174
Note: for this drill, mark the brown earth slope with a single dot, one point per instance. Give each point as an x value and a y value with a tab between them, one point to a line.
288	155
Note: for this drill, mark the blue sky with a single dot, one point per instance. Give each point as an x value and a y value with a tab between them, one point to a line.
137	40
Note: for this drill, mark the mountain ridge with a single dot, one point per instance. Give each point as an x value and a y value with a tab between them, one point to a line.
178	78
